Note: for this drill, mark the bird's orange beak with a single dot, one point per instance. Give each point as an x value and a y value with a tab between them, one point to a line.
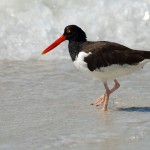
54	44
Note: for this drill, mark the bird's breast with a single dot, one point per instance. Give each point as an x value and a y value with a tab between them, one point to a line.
80	63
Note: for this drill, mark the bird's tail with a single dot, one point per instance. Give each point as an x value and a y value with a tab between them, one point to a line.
146	54
143	54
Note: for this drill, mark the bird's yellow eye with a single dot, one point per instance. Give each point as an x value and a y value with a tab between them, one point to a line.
68	31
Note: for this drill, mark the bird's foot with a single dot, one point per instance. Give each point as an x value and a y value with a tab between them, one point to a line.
102	101
99	101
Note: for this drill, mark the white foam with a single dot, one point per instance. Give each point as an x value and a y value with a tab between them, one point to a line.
28	27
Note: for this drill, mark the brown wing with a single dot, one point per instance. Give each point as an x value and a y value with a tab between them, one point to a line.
104	54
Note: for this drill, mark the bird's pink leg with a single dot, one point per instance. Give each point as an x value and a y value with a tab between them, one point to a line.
105	97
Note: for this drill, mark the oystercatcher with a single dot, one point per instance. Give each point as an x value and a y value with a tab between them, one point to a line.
102	59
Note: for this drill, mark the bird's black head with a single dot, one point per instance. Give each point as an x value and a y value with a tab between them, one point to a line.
74	33
71	33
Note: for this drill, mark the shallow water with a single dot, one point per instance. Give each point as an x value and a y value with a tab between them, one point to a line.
46	105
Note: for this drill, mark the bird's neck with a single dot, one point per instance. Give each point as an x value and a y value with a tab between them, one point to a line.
74	48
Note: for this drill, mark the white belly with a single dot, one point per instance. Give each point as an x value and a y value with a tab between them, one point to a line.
107	73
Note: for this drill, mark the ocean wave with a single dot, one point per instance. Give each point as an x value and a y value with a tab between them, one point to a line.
28	27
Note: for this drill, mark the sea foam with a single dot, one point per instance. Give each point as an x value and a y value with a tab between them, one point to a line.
28	27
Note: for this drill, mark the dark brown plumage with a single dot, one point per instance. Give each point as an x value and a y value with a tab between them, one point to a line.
105	53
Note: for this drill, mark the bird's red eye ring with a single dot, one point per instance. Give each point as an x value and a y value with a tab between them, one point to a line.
68	31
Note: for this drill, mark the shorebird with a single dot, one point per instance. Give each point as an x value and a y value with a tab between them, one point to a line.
102	59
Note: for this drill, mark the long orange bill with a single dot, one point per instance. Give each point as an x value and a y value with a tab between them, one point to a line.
54	44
